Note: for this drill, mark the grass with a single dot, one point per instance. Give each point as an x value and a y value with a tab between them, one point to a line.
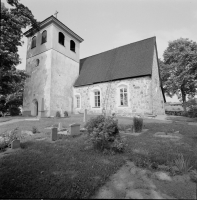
66	169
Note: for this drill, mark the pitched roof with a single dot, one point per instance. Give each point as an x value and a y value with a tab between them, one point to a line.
132	60
53	19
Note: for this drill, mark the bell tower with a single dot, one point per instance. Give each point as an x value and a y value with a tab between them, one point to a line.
52	63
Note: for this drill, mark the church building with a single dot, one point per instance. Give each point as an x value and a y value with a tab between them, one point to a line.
125	80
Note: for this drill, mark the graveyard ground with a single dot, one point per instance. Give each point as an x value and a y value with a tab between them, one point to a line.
68	169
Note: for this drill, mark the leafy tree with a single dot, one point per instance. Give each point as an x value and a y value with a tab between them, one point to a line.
13	20
179	69
12	100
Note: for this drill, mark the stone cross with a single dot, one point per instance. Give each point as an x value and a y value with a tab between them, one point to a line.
56	14
60	126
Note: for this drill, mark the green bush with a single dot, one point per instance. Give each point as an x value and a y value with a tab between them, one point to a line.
65	114
58	114
137	124
104	134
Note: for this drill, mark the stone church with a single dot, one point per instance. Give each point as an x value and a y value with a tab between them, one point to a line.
124	80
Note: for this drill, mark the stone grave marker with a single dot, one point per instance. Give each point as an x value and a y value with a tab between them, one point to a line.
85	115
60	126
74	129
54	134
15	144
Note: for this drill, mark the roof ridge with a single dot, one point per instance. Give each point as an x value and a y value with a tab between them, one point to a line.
119	47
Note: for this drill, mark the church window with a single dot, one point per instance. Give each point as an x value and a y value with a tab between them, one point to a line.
37	62
33	42
78	101
61	38
123	96
97	98
44	37
72	45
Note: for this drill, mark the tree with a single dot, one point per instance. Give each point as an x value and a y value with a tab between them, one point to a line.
14	99
179	69
13	20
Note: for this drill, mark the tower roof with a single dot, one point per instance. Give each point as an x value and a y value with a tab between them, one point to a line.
53	19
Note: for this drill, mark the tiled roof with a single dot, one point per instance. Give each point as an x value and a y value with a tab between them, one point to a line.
132	60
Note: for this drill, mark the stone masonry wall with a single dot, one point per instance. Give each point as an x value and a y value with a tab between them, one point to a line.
64	72
139	97
37	86
157	96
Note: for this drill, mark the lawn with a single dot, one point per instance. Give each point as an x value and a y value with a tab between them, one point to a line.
67	169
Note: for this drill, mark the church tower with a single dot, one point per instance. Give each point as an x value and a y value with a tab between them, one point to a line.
52	64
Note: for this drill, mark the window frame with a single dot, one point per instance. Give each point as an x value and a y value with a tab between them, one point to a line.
63	39
97	99
122	85
42	38
122	96
78	96
73	49
33	42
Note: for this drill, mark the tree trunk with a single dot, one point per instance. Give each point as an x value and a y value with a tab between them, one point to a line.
183	98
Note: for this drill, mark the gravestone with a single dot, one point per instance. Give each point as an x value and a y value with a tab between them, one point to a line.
60	126
85	116
54	134
74	129
15	144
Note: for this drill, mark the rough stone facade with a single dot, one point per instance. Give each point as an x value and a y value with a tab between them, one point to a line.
144	95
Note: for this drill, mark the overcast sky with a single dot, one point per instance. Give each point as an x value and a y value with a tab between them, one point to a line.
107	24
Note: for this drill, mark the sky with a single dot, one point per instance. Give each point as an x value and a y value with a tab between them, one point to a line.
107	24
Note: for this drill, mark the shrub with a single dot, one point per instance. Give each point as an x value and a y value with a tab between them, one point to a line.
65	114
8	138
35	129
104	134
58	114
182	164
137	124
14	111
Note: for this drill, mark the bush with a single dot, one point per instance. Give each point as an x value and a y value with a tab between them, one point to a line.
8	138
104	134
14	111
58	114
65	114
137	124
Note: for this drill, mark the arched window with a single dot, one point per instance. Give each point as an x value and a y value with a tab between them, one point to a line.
33	42
97	102
123	95
61	38
44	37
72	45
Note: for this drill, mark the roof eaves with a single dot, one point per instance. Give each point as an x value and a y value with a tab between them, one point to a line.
55	20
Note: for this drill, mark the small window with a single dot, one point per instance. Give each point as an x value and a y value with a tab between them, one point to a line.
33	42
61	38
44	37
37	62
72	45
78	101
123	96
97	98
